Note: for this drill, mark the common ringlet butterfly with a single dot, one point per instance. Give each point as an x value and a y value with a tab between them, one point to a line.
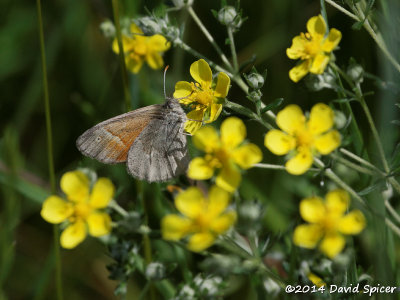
151	140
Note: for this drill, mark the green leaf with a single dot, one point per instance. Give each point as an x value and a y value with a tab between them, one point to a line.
380	184
274	104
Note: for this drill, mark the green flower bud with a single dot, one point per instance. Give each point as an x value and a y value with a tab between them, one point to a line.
255	80
155	271
227	15
356	73
108	29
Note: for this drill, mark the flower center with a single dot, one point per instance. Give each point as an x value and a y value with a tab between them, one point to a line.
304	138
82	210
204	97
330	222
311	47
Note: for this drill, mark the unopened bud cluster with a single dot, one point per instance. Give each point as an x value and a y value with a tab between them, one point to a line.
153	25
230	17
255	81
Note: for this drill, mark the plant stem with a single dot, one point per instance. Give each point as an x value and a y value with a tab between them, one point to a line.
114	205
330	174
342	9
233	49
209	37
247	112
56	246
361	160
352	165
392	226
276	167
121	55
392	211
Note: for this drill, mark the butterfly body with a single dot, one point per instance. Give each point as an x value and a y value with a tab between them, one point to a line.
150	140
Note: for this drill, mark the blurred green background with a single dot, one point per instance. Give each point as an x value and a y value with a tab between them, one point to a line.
85	88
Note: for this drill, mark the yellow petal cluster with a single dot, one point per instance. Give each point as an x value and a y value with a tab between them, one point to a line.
225	152
327	223
303	138
202	95
139	48
83	208
203	218
313	48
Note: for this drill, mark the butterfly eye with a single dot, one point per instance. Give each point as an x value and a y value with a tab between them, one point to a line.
98	139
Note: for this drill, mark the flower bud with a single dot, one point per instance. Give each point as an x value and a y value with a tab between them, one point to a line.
208	287
182	3
255	95
255	80
155	271
340	119
356	73
149	25
108	29
227	15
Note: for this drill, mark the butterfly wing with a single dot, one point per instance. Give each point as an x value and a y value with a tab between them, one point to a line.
160	151
110	141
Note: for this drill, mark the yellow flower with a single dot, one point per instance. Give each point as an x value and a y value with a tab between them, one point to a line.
139	48
328	223
313	48
307	138
225	152
316	280
201	95
82	209
203	218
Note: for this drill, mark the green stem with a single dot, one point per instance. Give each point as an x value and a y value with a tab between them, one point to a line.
56	246
247	112
121	55
392	211
342	9
209	37
276	167
392	226
114	205
352	165
233	49
361	160
330	174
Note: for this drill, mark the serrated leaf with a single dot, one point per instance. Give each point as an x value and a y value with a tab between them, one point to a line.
272	105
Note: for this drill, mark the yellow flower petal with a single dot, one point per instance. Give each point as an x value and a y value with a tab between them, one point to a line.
300	163
126	41
215	111
337	202
316	27
298	47
200	241
182	89
222	87
158	43
316	280
332	40
299	71
134	65
99	224
194	121
73	235
307	235
327	142
75	185
223	223
190	202
218	201
206	139
154	60
174	227
229	178
135	29
55	210
352	223
199	169
312	210
102	193
319	63
233	132
332	245
247	155
291	119
201	72
279	142
321	119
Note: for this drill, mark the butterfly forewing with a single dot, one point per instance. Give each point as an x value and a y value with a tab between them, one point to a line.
110	141
160	152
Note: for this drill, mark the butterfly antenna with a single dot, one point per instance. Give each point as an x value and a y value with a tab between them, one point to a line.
165	73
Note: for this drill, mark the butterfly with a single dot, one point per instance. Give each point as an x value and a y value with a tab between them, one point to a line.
151	140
